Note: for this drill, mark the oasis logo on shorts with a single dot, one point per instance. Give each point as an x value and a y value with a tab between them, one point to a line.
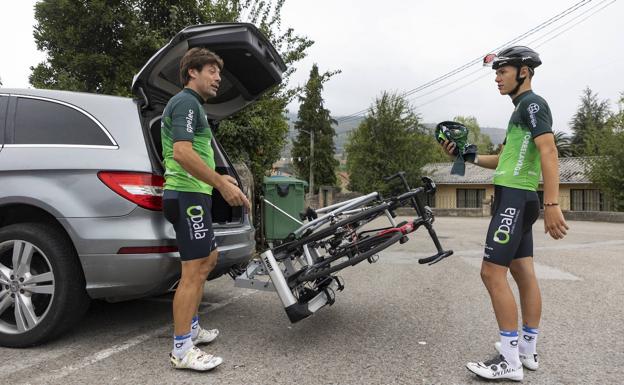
196	221
189	120
532	110
502	234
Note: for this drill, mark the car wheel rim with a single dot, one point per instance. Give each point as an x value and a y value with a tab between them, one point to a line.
26	286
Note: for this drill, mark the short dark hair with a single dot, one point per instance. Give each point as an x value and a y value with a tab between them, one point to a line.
197	58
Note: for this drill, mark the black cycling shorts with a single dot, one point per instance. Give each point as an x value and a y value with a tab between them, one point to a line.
190	215
510	234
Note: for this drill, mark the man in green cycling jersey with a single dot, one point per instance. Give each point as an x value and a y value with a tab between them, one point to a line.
189	180
528	151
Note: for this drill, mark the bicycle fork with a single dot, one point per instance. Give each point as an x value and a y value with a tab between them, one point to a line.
295	310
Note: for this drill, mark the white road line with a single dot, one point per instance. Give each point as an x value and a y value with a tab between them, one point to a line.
106	353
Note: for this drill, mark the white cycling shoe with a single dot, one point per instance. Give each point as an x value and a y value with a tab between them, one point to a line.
195	359
529	361
206	336
496	369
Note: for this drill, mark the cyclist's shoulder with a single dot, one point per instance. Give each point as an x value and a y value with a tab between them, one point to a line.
182	100
534	99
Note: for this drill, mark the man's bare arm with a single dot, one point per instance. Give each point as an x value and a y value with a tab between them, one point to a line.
185	155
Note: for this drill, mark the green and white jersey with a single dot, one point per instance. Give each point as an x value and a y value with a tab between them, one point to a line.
184	118
519	165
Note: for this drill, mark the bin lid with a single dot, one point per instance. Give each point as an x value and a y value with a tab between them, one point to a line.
272	180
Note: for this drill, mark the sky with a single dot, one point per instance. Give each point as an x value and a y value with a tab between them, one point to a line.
397	46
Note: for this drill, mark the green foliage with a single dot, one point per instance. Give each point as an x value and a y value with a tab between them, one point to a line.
589	124
483	141
390	139
98	46
314	117
607	169
564	144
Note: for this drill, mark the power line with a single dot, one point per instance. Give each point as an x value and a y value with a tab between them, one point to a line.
463	67
537	46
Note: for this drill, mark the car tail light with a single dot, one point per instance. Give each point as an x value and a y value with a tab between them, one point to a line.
144	189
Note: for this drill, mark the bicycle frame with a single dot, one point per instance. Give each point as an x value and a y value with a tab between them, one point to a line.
277	265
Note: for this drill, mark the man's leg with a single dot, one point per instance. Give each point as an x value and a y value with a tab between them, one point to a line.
188	295
508	365
495	279
199	335
523	272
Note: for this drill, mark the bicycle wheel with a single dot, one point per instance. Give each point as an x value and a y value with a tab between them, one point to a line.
358	219
354	252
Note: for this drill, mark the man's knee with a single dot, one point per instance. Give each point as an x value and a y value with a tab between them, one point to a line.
492	274
522	269
208	264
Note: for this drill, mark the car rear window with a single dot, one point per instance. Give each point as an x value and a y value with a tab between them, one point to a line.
47	122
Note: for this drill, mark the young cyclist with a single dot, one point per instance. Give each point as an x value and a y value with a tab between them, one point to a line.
529	150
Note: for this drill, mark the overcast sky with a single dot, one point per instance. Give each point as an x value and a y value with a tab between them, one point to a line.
399	45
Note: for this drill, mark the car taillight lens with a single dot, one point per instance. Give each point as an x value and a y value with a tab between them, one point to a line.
144	189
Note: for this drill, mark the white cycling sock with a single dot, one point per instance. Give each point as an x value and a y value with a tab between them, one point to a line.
181	345
509	347
528	342
195	328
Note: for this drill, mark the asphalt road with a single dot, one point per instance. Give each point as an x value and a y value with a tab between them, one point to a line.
396	322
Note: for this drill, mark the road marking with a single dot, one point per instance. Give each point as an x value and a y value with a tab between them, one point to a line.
106	353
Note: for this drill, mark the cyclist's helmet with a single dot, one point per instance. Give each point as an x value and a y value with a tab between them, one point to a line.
516	56
453	131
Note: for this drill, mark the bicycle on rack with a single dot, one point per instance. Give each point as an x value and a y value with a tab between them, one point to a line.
302	269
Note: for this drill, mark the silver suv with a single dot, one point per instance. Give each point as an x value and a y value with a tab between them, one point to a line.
81	186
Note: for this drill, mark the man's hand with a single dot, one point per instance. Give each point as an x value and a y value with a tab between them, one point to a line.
228	187
449	147
554	223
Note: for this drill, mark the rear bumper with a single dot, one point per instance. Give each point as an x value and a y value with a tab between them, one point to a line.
124	276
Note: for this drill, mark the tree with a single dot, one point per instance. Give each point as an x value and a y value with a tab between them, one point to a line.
313	117
98	46
563	143
607	169
389	139
483	141
588	124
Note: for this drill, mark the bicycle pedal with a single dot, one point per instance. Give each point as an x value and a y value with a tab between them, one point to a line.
403	239
373	258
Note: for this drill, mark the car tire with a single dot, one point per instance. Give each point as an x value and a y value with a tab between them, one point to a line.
45	294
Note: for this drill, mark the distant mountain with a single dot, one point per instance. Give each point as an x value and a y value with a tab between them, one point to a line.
497	135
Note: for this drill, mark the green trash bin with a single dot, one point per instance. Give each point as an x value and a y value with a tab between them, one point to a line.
287	194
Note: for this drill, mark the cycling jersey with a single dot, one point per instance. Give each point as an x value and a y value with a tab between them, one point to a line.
519	164
184	119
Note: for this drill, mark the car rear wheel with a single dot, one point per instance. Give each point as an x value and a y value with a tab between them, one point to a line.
42	287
